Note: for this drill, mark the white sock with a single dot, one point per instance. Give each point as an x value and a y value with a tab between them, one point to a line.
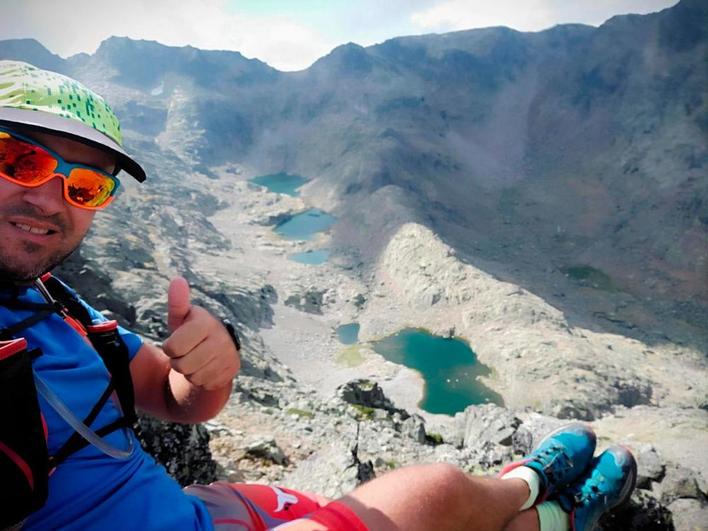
531	478
551	517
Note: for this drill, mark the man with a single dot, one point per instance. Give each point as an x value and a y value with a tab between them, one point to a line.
60	151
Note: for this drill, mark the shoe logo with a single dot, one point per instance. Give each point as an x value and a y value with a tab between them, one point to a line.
284	499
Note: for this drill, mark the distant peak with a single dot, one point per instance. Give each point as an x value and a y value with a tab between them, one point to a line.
349	58
119	43
122	44
348	51
31	51
349	46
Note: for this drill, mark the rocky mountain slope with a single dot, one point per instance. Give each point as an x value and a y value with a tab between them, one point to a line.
544	196
581	150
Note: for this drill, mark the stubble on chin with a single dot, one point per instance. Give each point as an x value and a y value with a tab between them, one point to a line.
27	260
22	271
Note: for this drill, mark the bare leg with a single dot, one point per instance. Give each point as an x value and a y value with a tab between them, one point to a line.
432	497
524	521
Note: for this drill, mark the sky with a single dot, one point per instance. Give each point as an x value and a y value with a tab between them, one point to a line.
286	34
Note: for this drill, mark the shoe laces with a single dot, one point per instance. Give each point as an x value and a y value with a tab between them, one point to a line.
559	462
590	490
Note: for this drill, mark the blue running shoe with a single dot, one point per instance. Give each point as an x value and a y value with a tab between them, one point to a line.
608	484
559	459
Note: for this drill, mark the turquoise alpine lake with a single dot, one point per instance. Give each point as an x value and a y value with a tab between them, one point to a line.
448	365
348	334
304	225
311	257
281	183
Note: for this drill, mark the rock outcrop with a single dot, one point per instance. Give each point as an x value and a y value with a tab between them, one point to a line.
182	449
334	445
541	360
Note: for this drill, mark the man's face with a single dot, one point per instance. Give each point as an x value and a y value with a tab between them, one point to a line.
38	228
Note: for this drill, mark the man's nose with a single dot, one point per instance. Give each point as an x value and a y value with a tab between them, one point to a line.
48	198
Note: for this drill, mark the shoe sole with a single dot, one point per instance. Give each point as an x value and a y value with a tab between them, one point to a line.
625	493
628	489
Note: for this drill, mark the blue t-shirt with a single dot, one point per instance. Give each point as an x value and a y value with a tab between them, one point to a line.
91	490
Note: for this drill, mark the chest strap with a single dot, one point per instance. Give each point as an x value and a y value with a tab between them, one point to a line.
104	338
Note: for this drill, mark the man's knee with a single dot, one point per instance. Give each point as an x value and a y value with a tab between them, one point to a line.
432	481
438	480
445	473
448	478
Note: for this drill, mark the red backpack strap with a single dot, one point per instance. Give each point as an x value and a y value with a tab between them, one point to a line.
24	459
105	339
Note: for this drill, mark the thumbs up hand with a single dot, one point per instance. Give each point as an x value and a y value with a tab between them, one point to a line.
178	305
199	347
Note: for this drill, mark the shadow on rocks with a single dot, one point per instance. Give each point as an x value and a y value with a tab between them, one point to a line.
183	449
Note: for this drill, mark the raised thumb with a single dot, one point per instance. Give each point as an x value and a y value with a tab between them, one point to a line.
177	303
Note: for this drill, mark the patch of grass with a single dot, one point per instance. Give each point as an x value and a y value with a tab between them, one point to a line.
350	356
391	464
364	412
434	438
300	412
589	276
477	470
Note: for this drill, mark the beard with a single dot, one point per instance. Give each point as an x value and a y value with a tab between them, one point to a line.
23	260
13	270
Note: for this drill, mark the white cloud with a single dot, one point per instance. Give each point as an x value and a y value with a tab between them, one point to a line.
290	45
526	15
289	41
77	26
463	14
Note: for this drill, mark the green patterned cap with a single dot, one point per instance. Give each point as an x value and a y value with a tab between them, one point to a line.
50	101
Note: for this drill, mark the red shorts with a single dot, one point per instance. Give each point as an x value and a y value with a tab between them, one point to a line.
250	507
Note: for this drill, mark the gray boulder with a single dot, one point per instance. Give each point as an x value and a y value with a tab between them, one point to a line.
689	514
366	393
268	450
534	428
649	466
679	482
330	471
414	427
490	455
488	423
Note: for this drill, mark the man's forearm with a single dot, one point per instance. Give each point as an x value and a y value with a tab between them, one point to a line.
165	393
189	403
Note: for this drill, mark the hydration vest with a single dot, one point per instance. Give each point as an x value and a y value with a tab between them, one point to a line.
25	462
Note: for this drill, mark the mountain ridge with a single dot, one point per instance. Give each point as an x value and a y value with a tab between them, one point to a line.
565	144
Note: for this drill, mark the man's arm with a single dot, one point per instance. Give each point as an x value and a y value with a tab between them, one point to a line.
189	379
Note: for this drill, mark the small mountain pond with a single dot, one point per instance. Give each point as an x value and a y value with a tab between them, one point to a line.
448	365
281	183
304	225
348	334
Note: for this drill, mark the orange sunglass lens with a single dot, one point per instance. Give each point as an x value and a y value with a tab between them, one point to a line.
89	188
23	161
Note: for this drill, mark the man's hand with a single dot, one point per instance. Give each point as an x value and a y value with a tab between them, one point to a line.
199	347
